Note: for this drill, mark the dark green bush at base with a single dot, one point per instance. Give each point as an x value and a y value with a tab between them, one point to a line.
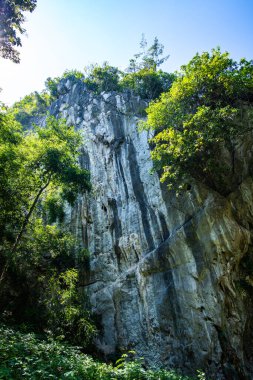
25	356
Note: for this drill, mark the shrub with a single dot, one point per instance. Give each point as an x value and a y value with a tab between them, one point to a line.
25	356
30	106
102	78
65	308
51	84
147	83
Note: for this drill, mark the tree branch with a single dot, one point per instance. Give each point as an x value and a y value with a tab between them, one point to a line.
26	220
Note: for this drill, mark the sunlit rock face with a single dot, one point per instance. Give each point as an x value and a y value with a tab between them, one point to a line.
169	276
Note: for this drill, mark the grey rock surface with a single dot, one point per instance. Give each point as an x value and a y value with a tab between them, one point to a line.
168	273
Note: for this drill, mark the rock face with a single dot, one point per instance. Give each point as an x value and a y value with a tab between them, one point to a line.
169	276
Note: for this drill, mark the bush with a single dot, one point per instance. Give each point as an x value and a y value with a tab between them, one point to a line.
51	84
102	78
148	83
65	309
25	356
30	106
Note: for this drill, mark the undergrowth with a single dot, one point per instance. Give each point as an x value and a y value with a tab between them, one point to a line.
26	356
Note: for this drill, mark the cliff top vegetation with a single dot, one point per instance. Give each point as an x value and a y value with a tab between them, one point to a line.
205	109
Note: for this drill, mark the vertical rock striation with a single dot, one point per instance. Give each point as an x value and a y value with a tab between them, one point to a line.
169	275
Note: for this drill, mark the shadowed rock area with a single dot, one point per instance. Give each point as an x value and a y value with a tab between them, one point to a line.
169	276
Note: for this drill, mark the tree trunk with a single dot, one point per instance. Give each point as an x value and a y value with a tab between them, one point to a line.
23	227
25	222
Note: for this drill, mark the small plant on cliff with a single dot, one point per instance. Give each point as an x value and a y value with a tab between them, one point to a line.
51	84
200	112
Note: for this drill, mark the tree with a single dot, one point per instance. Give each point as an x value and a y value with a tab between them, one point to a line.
198	115
25	110
34	165
148	58
39	174
142	75
11	20
148	83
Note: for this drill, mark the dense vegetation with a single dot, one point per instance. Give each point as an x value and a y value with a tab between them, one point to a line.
31	107
24	356
202	112
39	174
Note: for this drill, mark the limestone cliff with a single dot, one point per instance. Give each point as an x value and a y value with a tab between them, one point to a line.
169	276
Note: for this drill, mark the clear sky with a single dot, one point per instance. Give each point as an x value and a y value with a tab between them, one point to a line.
63	34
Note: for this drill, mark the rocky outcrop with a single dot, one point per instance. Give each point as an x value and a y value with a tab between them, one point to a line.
169	275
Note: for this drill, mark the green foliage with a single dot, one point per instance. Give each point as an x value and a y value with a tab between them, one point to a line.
54	207
66	308
143	76
102	78
11	20
39	173
199	114
44	242
31	163
201	375
73	74
147	83
10	163
55	156
47	285
24	356
148	58
29	107
51	84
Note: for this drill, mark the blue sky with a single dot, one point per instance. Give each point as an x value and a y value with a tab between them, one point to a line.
63	34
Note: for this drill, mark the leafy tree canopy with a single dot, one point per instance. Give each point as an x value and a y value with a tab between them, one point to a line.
148	57
102	78
142	75
200	112
147	83
32	163
39	173
35	104
11	20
